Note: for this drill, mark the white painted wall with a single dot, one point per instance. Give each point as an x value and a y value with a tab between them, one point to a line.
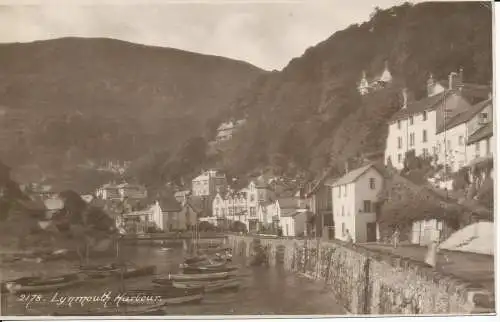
344	209
363	192
403	129
455	154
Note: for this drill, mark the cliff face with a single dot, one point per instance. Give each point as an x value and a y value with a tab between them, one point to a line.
311	114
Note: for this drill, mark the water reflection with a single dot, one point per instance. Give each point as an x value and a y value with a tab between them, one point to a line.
264	291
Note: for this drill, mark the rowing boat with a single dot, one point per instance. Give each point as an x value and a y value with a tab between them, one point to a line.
208	269
199	277
40	284
209	286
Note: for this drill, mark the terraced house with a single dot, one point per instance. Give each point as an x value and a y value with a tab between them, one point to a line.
438	124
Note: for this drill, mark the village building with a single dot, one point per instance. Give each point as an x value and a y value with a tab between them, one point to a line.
166	214
226	130
112	191
453	148
354	197
366	87
421	126
319	202
292	216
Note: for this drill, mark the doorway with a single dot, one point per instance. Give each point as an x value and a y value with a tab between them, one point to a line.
371	232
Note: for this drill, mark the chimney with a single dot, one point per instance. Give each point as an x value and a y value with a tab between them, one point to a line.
451	80
430	85
405	98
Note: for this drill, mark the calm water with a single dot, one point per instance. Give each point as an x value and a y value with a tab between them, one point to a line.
264	290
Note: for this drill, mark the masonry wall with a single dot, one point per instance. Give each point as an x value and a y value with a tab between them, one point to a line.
365	282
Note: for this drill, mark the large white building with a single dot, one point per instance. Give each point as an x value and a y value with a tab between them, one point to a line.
419	126
226	130
209	183
354	198
452	140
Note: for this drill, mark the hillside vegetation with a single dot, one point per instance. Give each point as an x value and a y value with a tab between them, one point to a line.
67	101
310	115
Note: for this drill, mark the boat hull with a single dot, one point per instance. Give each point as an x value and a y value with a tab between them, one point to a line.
209	286
38	285
199	277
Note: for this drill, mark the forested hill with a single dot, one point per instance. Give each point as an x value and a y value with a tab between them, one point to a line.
310	114
67	101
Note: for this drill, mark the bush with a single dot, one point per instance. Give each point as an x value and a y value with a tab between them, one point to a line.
238	227
485	195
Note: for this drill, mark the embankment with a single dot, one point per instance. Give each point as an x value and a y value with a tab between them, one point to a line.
366	282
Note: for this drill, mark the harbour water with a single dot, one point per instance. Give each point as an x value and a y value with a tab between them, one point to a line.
264	290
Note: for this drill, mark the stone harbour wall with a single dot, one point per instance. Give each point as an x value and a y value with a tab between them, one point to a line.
365	282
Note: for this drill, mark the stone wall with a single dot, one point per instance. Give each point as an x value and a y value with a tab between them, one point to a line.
365	282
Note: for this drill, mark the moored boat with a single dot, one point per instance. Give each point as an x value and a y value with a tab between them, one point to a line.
208	269
199	277
44	284
209	286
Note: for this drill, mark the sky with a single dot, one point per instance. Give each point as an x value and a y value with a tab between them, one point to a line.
265	33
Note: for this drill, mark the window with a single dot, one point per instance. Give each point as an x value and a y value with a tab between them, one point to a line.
372	183
488	147
412	139
435	149
411	120
400	142
399	124
478	149
424	136
424	116
367	206
329	199
343	211
461	140
400	158
343	228
425	152
339	190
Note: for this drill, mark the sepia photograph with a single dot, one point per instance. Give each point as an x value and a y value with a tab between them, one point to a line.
204	158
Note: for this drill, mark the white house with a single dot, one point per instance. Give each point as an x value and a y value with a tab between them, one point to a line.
365	86
291	216
165	213
415	125
453	148
481	143
208	183
226	130
354	197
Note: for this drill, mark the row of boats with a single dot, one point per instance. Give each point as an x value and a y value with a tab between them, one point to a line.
197	276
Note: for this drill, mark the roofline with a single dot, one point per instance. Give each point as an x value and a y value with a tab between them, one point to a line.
368	168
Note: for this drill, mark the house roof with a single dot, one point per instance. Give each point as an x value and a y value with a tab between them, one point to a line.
288	212
288	203
168	203
484	132
318	183
351	176
422	105
196	203
464	116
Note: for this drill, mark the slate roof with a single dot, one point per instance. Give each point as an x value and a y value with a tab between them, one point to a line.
318	184
422	105
483	132
168	203
288	212
288	203
351	176
464	116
